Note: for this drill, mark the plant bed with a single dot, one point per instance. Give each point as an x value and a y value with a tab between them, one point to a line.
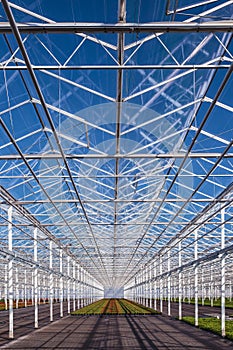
114	307
211	324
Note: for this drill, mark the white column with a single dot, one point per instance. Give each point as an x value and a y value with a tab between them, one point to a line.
155	286
211	287
10	276
74	286
161	283
84	287
143	287
81	287
223	278
202	287
6	288
61	285
51	280
68	283
189	288
16	288
25	288
230	291
180	283
44	288
150	288
169	282
35	279
146	286
196	277
78	287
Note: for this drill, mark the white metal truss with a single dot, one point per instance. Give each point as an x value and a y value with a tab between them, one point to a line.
116	142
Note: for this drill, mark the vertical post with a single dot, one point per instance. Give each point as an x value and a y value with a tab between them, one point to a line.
211	287
6	288
44	289
81	287
161	283
144	287
16	288
196	277
202	287
10	276
61	285
180	282
84	287
51	280
230	291
68	283
150	305
223	277
169	282
35	278
189	289
74	287
155	286
25	288
78	287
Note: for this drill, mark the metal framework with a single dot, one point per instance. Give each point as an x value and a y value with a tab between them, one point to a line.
116	151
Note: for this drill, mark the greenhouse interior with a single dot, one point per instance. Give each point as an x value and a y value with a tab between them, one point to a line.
116	173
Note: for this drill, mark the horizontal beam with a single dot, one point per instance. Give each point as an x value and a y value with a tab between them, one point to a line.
122	67
110	224
155	200
155	27
114	156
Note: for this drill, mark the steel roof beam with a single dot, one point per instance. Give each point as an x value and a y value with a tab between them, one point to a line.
120	156
115	67
86	27
119	200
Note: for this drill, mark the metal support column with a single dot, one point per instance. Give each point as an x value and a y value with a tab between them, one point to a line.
150	286
6	288
202	287
211	287
180	282
169	282
51	280
196	277
161	283
25	288
10	276
74	286
16	288
223	277
68	284
155	286
61	284
35	279
78	288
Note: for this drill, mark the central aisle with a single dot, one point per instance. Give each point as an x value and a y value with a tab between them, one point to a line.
121	333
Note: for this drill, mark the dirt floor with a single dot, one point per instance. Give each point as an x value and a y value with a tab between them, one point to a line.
107	332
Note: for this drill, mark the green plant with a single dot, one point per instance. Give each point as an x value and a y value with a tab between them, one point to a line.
211	324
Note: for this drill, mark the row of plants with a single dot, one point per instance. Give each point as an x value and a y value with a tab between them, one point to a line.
96	308
114	307
211	324
20	304
134	308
